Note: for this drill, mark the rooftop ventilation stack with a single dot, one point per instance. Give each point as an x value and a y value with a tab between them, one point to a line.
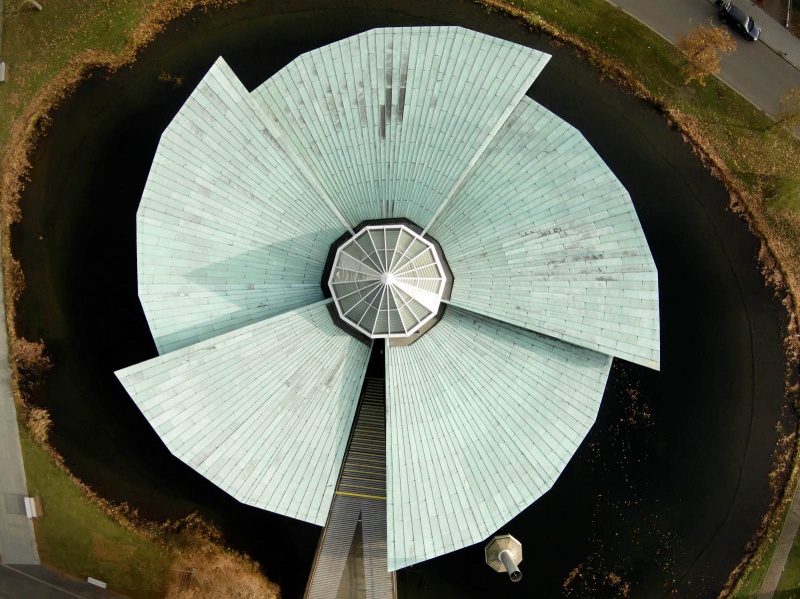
503	554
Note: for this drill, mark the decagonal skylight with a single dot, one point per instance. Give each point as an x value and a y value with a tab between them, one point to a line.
387	281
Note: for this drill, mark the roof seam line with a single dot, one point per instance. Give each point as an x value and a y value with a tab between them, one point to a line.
272	131
476	157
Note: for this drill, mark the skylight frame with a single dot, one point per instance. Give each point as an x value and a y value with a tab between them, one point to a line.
407	299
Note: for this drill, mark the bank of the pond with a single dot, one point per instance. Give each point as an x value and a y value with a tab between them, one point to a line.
78	537
83	535
672	481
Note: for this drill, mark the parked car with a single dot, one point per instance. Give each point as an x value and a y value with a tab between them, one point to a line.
738	19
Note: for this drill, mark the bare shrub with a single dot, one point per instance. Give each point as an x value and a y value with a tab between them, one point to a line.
38	423
220	573
29	357
14	280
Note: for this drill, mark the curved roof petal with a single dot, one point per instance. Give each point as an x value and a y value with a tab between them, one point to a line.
481	419
263	412
229	231
390	120
542	235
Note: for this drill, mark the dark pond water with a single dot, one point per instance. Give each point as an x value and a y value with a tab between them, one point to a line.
668	487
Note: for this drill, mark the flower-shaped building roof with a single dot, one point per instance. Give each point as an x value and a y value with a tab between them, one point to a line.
256	387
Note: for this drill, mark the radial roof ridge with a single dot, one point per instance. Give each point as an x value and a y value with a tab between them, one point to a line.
390	120
211	255
550	271
561	226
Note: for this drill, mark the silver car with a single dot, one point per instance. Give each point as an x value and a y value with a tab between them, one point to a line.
738	19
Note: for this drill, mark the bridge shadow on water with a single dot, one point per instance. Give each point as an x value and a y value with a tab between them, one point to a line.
668	487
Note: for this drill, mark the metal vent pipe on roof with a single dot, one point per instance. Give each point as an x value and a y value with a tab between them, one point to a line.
508	561
503	553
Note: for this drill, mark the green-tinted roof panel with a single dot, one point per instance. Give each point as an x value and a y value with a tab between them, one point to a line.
481	419
390	120
542	235
263	412
229	231
256	386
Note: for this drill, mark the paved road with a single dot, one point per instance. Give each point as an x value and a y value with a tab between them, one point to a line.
755	70
37	582
782	549
21	576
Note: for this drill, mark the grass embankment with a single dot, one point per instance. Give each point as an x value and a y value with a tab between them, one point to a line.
753	570
83	535
789	585
735	138
38	45
77	537
757	162
47	52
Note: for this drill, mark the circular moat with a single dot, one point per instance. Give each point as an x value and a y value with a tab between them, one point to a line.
668	487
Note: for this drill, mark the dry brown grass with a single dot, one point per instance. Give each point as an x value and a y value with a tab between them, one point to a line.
205	569
34	118
29	364
784	475
29	357
221	572
728	150
37	421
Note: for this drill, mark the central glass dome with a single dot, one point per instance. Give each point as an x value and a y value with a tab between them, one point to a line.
387	281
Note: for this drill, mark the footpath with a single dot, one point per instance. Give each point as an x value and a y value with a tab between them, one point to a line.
17	542
761	72
21	575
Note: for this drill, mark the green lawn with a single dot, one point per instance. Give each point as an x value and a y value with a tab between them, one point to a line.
75	536
751	581
37	45
753	157
656	64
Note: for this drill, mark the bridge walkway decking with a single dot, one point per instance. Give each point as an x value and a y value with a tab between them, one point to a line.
351	559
